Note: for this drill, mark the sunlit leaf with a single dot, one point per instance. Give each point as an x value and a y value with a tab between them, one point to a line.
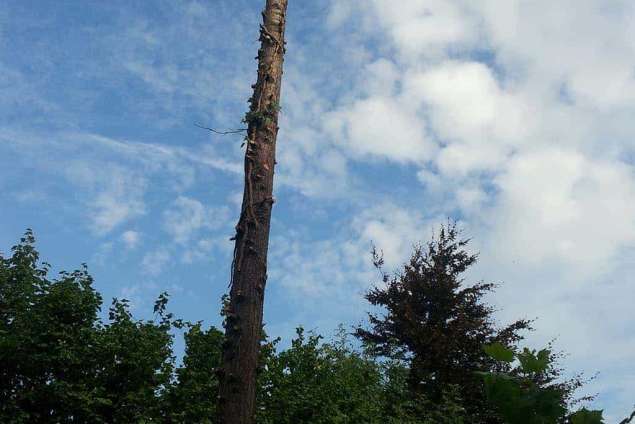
499	352
585	416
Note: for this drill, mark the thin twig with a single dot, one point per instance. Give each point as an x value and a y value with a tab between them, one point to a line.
236	131
629	419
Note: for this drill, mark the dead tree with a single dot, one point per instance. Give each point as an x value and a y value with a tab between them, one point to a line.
243	313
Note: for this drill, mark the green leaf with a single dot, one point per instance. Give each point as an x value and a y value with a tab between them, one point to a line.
532	362
499	352
585	416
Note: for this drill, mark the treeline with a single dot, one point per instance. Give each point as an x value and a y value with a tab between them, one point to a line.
434	355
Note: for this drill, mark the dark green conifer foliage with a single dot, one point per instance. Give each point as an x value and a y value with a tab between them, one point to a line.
437	324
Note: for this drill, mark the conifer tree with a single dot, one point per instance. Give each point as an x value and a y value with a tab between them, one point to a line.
438	324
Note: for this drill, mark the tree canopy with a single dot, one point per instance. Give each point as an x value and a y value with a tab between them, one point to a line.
437	324
61	363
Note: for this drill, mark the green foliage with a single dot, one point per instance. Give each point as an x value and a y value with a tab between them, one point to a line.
192	397
499	352
438	325
136	362
532	362
521	399
584	416
256	118
47	338
315	382
330	382
60	363
261	117
401	406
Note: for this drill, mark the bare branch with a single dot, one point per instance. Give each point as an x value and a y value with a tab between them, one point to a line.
629	419
234	131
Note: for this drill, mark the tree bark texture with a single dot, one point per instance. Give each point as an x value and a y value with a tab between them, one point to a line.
243	313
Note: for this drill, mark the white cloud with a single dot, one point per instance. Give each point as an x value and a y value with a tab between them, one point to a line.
477	120
308	162
115	206
101	255
558	205
155	262
202	249
188	216
342	264
184	219
496	117
519	117
298	263
421	26
111	177
553	44
130	238
176	160
115	193
380	127
185	62
392	229
380	78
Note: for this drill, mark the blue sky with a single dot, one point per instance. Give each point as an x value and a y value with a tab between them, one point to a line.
513	117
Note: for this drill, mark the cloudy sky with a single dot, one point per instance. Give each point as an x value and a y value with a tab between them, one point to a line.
513	117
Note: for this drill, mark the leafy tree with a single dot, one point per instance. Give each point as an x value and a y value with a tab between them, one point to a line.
519	395
47	340
438	325
192	397
400	406
332	382
319	383
60	364
135	363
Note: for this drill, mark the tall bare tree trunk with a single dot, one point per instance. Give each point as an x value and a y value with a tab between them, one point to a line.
243	313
